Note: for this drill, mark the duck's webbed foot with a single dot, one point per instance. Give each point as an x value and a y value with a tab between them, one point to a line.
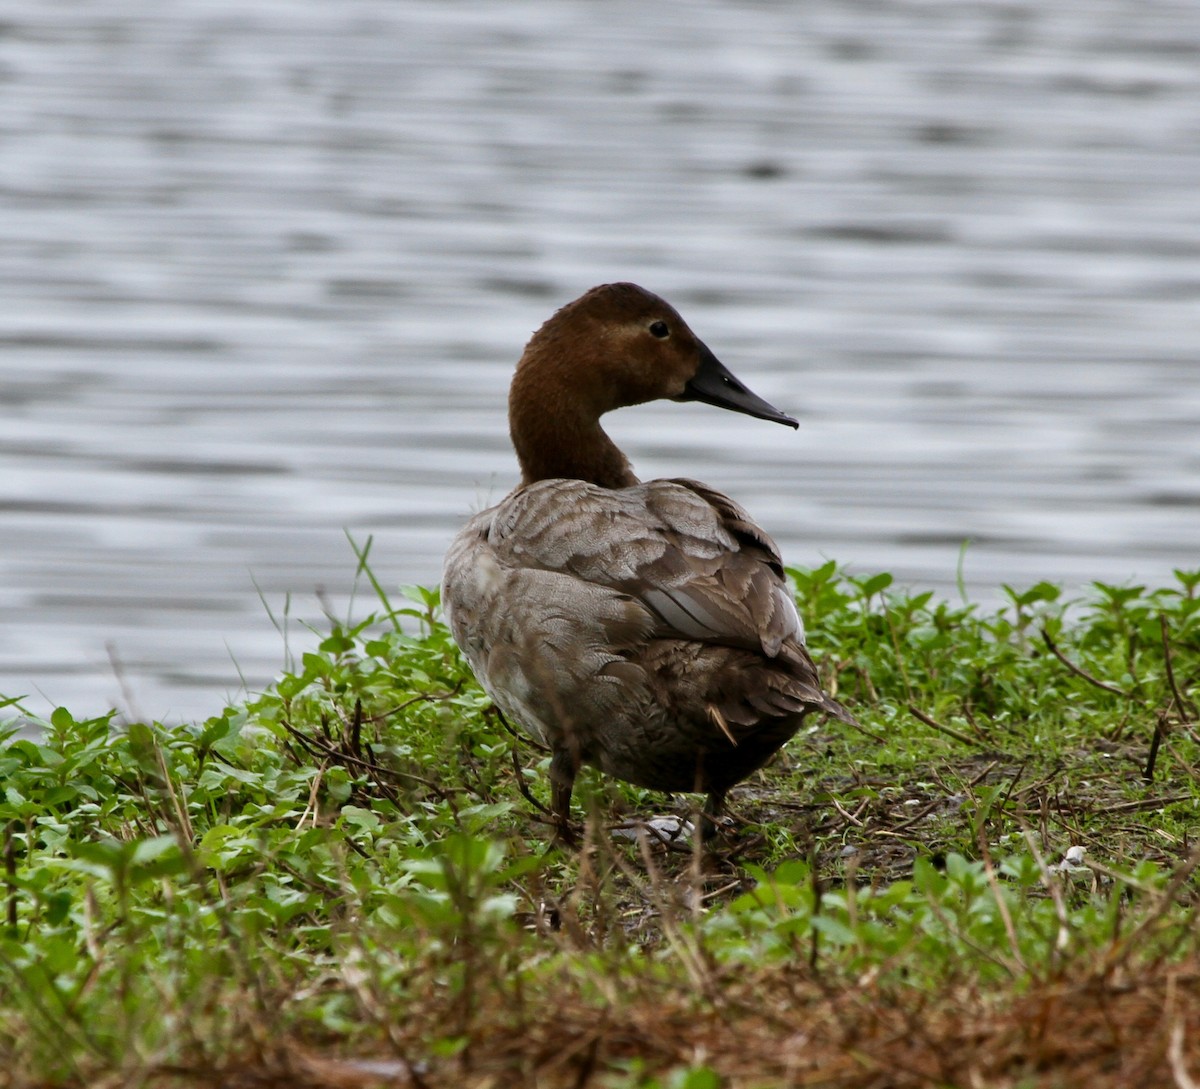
566	835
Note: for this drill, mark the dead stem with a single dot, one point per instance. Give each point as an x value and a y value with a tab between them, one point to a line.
1001	904
851	818
1054	887
1160	731
920	715
321	748
1183	872
1180	703
523	786
1079	671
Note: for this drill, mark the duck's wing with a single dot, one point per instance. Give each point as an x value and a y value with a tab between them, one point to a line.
689	554
634	628
551	648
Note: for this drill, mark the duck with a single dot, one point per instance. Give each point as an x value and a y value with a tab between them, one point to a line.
643	628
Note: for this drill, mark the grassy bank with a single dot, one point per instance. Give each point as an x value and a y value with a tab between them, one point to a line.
347	881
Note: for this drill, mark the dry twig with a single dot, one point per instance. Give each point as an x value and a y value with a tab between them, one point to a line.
966	739
1079	671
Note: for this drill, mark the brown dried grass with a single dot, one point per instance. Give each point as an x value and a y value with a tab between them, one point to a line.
782	1026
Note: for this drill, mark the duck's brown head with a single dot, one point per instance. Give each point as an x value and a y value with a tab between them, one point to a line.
616	345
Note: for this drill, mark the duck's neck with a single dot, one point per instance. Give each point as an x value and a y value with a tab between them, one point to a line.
556	437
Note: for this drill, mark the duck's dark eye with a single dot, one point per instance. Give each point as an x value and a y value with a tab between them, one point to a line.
660	330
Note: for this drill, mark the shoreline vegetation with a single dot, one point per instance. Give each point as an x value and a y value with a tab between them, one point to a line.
349	880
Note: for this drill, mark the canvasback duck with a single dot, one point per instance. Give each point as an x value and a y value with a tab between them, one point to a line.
645	629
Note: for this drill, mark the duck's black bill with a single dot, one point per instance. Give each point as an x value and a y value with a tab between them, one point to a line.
714	385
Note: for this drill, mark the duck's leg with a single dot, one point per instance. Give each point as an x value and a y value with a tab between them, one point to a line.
562	778
711	814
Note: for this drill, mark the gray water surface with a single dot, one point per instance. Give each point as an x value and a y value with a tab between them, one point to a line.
266	271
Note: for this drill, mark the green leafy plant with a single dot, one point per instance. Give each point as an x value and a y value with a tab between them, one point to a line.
352	872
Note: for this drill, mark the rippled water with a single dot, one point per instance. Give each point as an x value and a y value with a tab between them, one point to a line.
266	271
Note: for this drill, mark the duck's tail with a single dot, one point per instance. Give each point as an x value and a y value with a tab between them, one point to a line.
831	707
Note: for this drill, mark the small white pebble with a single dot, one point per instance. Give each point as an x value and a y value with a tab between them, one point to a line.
1072	861
671	829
